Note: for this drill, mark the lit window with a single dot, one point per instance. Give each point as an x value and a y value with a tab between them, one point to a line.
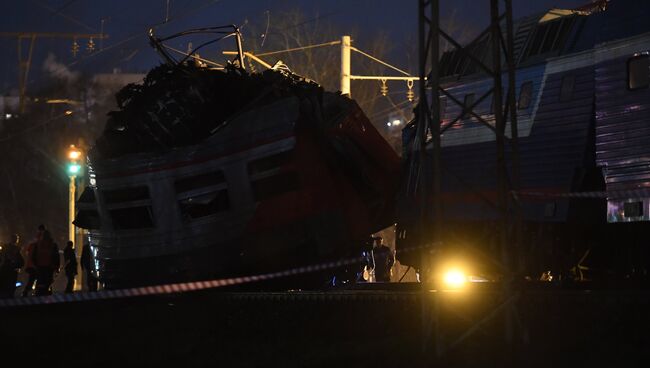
566	89
638	72
525	95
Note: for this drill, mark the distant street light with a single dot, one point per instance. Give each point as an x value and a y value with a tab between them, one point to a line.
73	168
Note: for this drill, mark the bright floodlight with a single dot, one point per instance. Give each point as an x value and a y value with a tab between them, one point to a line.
397	122
454	279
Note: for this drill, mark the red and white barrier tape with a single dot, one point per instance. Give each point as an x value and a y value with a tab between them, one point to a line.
170	288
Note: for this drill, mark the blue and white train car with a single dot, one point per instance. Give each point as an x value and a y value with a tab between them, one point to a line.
583	104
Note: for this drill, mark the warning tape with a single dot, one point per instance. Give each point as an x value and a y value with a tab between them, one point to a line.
630	193
170	288
179	287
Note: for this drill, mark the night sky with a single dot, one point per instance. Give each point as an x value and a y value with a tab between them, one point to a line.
126	22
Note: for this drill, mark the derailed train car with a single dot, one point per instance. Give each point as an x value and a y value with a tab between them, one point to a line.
583	105
206	173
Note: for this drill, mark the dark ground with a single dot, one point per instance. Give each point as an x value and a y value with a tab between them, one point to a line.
553	328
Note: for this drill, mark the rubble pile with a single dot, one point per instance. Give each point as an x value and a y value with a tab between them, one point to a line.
180	105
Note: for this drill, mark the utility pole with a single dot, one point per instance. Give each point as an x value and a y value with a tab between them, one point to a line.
345	65
24	63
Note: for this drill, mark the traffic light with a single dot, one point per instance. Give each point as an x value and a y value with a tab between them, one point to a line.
74	156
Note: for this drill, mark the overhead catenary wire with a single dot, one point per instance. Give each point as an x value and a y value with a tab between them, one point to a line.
331	43
380	61
27	130
188	55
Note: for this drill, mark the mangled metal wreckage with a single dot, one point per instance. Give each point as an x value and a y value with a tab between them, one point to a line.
206	173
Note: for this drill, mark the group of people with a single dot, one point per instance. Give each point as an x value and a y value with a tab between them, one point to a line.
40	261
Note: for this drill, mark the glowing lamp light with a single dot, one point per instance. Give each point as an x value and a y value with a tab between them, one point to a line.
68	112
454	279
74	169
74	155
397	122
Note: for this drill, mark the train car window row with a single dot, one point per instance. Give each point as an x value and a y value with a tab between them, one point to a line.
129	208
638	72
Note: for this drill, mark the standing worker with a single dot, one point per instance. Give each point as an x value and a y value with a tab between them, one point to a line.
10	262
46	260
70	262
86	266
29	263
383	260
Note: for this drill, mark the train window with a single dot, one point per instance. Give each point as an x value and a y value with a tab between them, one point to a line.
132	218
205	205
469	101
126	195
638	72
268	163
525	95
275	185
199	181
566	89
87	219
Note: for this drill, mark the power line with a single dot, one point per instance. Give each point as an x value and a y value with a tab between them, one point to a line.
58	12
299	48
139	34
379	61
26	130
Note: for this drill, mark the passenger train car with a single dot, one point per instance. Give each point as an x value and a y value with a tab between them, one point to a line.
583	105
291	176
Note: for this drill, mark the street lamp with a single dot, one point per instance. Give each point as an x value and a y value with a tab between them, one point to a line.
73	169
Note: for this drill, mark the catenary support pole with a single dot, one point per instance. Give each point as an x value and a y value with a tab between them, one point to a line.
345	65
